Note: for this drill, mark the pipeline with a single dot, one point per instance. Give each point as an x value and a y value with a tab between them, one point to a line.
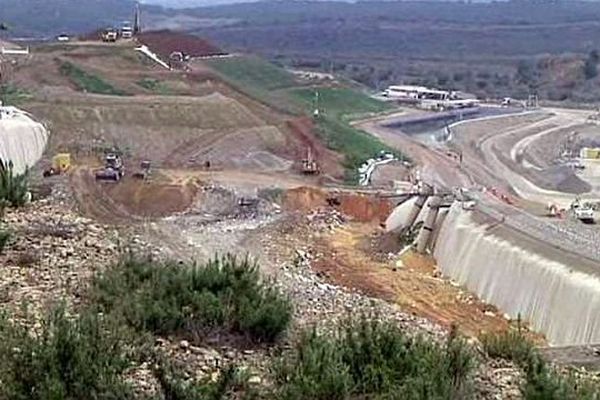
558	298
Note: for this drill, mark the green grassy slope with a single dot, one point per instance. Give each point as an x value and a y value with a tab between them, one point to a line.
88	82
279	89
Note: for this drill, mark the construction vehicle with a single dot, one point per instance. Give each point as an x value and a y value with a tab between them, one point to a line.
113	168
309	165
61	163
110	35
126	31
144	171
583	211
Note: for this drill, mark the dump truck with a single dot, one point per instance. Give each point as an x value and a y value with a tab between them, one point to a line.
113	168
110	35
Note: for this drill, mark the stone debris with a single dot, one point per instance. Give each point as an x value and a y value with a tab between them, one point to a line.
51	257
326	219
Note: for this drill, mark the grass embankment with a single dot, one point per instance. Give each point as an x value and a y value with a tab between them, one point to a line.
337	106
88	82
258	79
11	95
279	89
155	86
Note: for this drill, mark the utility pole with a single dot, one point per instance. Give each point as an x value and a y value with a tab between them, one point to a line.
137	20
3	28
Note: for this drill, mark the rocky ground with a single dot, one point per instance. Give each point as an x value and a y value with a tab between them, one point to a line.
54	253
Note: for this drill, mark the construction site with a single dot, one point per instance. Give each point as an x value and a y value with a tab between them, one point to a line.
174	144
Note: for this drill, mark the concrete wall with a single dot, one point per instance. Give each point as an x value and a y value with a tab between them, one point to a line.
557	298
22	140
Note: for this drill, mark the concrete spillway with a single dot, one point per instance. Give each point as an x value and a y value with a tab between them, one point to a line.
557	294
22	140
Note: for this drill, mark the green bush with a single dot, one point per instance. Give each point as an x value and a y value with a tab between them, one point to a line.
368	359
174	387
70	358
5	236
542	381
165	298
510	345
14	188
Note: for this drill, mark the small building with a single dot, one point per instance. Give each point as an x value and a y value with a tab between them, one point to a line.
410	92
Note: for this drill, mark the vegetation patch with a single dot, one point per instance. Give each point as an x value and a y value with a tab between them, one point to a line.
339	102
155	86
11	95
175	387
542	381
253	72
225	295
369	359
336	106
258	79
69	358
87	82
14	188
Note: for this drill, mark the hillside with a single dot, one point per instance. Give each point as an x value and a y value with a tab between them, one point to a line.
472	47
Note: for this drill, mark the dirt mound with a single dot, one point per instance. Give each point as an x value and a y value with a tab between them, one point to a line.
171	131
363	208
166	42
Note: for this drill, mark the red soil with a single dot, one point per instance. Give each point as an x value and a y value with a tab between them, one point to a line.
166	42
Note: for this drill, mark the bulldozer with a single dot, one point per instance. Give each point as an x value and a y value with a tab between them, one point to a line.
113	168
309	165
145	170
61	163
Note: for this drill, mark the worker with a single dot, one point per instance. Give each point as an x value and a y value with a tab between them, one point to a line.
207	164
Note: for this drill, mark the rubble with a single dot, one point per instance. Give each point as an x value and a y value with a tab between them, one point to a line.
51	257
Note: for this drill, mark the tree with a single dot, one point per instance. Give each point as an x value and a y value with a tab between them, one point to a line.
590	68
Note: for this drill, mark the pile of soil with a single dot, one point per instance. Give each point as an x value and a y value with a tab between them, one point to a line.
166	42
361	208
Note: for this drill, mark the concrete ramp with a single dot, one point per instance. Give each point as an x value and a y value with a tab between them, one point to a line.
22	140
559	295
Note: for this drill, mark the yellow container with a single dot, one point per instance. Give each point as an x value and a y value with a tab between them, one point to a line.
61	162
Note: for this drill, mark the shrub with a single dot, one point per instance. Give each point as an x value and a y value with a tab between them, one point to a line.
369	359
5	236
14	188
542	382
510	345
165	298
175	387
78	358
